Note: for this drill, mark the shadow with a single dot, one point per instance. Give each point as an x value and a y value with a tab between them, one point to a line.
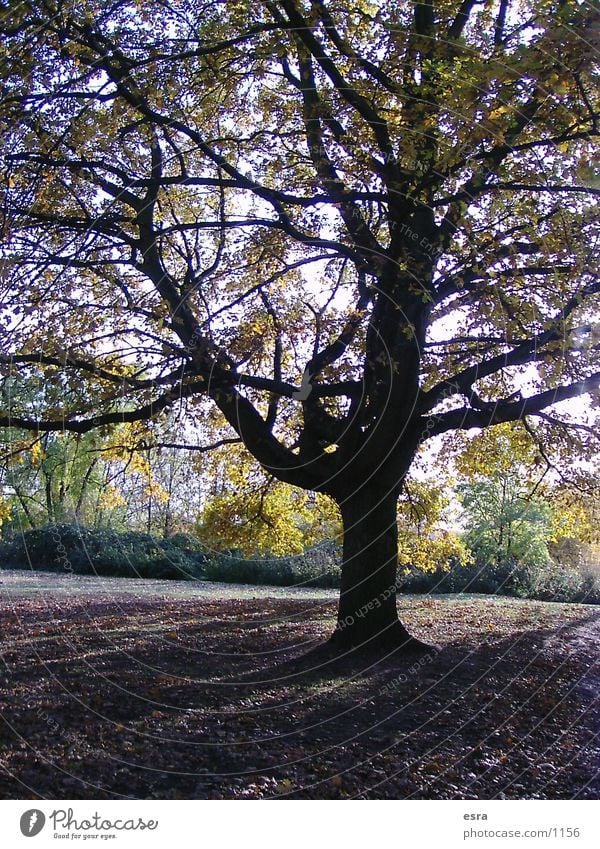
222	712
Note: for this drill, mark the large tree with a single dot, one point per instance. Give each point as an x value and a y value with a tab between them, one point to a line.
352	226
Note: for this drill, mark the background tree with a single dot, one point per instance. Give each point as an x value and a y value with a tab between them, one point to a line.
504	525
246	510
502	472
525	520
427	541
351	227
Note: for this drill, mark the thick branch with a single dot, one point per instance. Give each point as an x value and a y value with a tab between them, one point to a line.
147	411
506	410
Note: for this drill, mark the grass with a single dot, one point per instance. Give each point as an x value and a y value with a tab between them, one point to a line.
152	689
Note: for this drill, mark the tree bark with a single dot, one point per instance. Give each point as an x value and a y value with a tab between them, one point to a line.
367	614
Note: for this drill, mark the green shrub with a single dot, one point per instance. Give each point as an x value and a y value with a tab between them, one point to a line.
548	582
318	567
71	548
82	551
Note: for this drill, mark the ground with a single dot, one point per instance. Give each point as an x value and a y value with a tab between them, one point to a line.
115	688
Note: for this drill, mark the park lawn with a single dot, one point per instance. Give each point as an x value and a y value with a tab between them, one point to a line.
113	688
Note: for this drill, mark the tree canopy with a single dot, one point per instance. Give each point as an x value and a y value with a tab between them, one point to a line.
350	226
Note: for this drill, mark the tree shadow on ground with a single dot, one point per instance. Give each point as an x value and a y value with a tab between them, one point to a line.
225	701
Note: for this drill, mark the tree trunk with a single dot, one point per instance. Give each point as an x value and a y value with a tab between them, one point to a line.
367	615
49	496
83	490
23	504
